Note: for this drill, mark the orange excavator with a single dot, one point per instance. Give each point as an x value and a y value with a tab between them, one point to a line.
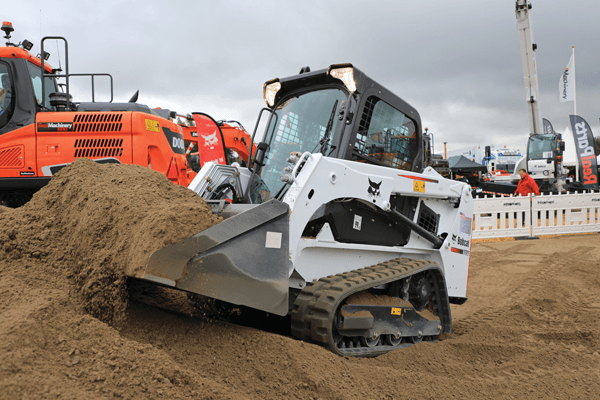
42	129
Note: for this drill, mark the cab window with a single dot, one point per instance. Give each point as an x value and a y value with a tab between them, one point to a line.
385	136
7	95
36	79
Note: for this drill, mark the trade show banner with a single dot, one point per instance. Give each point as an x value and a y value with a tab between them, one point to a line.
566	83
548	128
584	143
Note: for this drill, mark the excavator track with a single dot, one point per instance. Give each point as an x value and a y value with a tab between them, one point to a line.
315	313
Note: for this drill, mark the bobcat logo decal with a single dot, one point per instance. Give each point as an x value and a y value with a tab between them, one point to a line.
373	189
210	140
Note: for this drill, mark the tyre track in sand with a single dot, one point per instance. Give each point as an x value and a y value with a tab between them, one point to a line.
538	311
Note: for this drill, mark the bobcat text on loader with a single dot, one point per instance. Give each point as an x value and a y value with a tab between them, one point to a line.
42	130
335	223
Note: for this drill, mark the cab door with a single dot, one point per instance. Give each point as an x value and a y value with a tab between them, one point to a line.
17	114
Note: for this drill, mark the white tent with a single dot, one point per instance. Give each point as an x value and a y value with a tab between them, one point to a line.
570	153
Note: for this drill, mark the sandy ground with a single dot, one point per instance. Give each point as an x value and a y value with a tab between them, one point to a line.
71	330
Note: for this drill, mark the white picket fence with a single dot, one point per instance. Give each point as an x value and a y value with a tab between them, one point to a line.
536	215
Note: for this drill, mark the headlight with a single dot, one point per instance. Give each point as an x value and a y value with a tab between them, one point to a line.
345	73
546	172
270	90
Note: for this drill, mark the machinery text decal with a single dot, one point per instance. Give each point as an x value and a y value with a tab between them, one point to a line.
584	143
175	140
54	126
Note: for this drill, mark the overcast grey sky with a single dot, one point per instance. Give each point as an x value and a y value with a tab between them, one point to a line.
458	62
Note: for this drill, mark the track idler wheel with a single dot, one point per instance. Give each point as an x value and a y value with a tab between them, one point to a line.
370	342
416	339
392	340
419	292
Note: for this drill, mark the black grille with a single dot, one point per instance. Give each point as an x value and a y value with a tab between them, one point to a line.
99	147
98	122
428	219
365	120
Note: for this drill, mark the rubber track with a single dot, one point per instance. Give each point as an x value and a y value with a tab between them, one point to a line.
315	307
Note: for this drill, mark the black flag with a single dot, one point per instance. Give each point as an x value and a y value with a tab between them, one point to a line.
584	143
548	128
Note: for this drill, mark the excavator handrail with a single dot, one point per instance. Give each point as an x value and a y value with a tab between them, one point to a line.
67	75
92	75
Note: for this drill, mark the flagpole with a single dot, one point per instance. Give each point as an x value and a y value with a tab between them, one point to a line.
574	86
575	110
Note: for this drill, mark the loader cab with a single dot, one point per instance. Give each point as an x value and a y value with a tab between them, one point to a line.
340	113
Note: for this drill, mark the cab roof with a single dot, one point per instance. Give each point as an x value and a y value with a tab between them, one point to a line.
17	52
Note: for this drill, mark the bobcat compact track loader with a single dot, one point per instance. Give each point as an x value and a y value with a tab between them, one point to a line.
334	223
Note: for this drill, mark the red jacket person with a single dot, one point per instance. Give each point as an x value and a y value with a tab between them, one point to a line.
526	185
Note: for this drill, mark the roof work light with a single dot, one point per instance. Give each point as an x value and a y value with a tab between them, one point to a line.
44	54
345	73
27	45
270	90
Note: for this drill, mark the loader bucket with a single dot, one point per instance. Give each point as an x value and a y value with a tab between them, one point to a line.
242	260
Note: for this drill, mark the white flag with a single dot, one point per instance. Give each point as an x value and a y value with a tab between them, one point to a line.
566	85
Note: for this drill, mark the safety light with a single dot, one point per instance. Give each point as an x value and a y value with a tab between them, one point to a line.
270	90
172	173
7	27
27	45
46	55
345	73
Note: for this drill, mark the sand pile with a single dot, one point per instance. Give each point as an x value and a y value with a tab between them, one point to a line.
98	223
529	329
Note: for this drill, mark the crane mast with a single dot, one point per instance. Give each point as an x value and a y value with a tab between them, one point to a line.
523	13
